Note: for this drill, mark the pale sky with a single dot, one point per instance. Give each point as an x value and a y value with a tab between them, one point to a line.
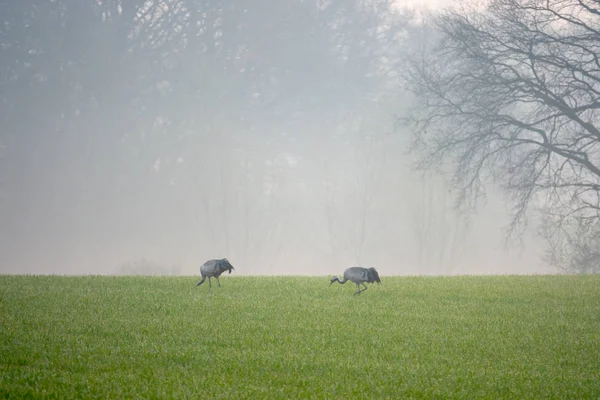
425	3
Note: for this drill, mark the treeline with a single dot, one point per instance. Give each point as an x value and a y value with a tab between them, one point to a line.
201	122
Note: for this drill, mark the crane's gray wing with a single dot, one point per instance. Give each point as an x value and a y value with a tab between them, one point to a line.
208	266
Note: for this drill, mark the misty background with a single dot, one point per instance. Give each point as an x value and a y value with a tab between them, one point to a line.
160	134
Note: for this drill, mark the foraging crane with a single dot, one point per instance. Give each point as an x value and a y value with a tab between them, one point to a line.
358	275
214	269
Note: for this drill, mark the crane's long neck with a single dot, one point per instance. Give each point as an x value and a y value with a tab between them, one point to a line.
336	279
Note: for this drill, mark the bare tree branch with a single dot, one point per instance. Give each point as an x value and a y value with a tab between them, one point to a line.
510	95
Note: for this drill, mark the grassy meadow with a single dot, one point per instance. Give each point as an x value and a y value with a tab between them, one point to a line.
295	337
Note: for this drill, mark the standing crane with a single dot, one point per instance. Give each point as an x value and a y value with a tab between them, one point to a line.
214	269
358	275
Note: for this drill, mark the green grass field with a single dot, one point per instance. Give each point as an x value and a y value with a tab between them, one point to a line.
295	337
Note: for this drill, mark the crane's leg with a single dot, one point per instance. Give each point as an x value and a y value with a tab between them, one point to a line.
209	284
218	281
359	289
201	282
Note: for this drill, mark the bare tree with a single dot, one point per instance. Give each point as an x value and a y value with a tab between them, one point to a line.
371	157
329	192
2	186
349	193
574	244
438	228
511	94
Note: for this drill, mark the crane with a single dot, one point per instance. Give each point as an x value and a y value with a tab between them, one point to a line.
358	275
214	269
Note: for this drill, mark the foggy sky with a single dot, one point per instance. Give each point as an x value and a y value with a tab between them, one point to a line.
291	186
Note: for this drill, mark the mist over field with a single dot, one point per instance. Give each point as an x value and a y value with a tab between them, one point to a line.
150	136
